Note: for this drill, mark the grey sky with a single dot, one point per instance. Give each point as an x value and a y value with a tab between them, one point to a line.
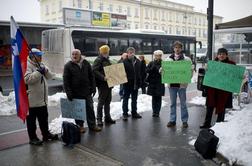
29	10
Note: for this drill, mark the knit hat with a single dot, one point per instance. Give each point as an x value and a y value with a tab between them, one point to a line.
222	50
104	49
35	51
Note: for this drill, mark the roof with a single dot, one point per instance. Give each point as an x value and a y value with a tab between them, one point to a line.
240	23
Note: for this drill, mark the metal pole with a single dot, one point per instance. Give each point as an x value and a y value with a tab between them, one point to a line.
210	29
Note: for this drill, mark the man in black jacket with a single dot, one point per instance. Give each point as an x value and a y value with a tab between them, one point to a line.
133	71
79	83
104	91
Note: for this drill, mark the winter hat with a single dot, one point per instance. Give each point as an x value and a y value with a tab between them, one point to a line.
222	50
104	49
35	51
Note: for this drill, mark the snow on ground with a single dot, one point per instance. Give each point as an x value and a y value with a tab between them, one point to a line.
7	104
198	100
235	134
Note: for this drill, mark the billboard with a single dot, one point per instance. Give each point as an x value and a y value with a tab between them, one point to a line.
101	19
76	17
118	20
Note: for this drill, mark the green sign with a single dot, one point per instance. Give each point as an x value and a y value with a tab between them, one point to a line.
176	71
224	76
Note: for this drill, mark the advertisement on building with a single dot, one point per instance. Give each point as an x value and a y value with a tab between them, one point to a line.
76	17
101	19
118	20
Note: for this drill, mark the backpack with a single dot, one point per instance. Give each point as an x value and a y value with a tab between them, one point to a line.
206	143
70	133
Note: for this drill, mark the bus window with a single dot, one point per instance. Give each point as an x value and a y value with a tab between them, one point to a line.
155	45
136	43
114	46
123	45
91	46
166	46
147	46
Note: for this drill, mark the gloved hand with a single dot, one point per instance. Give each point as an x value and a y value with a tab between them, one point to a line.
42	70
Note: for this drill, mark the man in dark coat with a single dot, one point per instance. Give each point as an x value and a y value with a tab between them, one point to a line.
155	87
104	91
143	73
216	98
79	83
132	67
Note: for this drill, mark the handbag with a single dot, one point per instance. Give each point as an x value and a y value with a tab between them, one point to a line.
70	133
206	143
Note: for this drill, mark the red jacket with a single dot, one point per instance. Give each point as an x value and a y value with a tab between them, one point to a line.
218	98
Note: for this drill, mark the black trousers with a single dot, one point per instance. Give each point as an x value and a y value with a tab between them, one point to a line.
104	101
41	114
129	91
90	114
156	104
209	113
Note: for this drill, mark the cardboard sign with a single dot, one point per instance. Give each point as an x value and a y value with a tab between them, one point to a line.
115	74
176	71
224	76
75	109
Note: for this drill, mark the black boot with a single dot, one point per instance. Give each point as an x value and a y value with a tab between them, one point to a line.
109	121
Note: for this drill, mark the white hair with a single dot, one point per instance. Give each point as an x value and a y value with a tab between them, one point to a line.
158	52
77	50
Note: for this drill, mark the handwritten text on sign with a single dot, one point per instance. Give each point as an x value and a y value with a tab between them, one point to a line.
115	74
75	109
176	71
224	76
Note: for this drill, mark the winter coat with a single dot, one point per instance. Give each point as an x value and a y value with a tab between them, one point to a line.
79	82
155	86
217	98
182	57
133	72
98	70
37	88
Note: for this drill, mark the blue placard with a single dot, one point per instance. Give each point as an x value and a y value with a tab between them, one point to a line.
75	109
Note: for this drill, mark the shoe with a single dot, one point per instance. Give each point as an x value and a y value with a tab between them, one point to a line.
110	121
204	126
136	116
125	117
99	122
95	129
171	124
155	115
185	125
50	137
36	142
82	130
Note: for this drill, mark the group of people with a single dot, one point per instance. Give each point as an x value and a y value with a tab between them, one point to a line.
81	80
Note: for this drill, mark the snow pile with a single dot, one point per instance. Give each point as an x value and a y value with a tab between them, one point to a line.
54	100
236	136
194	78
198	100
7	104
55	125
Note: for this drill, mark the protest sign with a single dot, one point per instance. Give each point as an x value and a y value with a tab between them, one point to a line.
176	71
115	74
75	109
224	76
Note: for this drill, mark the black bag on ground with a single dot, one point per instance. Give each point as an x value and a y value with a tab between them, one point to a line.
206	143
70	133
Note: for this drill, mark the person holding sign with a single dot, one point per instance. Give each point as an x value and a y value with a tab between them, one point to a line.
104	91
79	83
178	89
155	88
133	71
216	98
36	77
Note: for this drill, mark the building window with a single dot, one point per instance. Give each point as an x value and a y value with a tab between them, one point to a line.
146	13
79	3
60	6
73	3
163	28
155	14
128	11
177	17
136	12
146	26
101	6
47	10
128	26
155	27
111	8
120	9
163	15
136	26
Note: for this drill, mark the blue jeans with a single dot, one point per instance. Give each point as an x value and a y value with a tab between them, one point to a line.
183	108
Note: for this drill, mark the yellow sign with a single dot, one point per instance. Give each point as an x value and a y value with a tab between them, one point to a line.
115	74
101	19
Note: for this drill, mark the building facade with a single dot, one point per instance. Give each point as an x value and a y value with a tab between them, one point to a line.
173	18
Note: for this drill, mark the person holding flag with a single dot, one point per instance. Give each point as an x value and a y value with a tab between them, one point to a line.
36	77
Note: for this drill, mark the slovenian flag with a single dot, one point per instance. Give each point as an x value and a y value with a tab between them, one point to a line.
20	51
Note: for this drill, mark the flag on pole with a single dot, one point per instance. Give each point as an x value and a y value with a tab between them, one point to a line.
20	51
